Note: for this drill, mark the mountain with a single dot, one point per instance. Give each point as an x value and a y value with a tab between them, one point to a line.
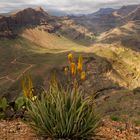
98	23
125	10
102	12
20	19
108	18
126	35
25	17
12	25
134	15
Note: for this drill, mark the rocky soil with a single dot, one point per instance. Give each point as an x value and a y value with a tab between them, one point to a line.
110	130
16	130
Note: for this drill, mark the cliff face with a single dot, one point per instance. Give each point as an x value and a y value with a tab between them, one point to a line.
22	18
25	17
31	18
28	16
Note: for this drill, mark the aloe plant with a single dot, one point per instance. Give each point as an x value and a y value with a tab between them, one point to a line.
63	114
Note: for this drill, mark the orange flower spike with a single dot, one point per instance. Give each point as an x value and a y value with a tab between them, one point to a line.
80	64
73	69
79	68
83	76
70	57
80	60
24	88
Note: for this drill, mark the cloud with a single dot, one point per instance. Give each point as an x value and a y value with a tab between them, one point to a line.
69	6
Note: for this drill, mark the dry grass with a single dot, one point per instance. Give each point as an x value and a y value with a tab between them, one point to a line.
50	42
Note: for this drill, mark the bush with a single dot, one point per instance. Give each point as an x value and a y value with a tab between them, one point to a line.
62	114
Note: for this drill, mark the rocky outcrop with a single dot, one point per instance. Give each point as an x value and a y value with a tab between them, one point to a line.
22	18
5	29
25	17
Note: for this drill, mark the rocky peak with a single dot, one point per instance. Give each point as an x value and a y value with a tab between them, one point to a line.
28	16
40	9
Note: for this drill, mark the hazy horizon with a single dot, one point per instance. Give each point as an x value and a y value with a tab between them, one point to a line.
64	6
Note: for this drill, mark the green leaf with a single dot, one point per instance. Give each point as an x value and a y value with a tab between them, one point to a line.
19	103
62	114
3	104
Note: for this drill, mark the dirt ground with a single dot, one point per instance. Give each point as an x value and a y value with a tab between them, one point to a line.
110	130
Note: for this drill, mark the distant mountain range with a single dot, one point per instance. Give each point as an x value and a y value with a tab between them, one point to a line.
108	18
12	25
83	27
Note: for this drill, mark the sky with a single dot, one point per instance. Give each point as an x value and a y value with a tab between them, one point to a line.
66	6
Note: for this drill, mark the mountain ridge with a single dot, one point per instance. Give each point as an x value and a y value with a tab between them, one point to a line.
103	22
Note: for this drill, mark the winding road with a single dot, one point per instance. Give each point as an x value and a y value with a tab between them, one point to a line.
25	70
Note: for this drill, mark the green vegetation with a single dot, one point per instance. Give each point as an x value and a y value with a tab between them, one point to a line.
115	118
137	122
3	104
40	57
11	110
62	114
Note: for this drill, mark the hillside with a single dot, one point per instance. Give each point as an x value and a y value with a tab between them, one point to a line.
99	23
33	42
11	26
125	10
126	35
107	18
134	15
40	39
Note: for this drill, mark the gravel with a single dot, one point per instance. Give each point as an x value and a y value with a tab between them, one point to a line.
110	130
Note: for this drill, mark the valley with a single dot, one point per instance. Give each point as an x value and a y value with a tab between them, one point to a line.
32	42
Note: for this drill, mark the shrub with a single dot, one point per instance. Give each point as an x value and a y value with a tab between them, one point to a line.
62	114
